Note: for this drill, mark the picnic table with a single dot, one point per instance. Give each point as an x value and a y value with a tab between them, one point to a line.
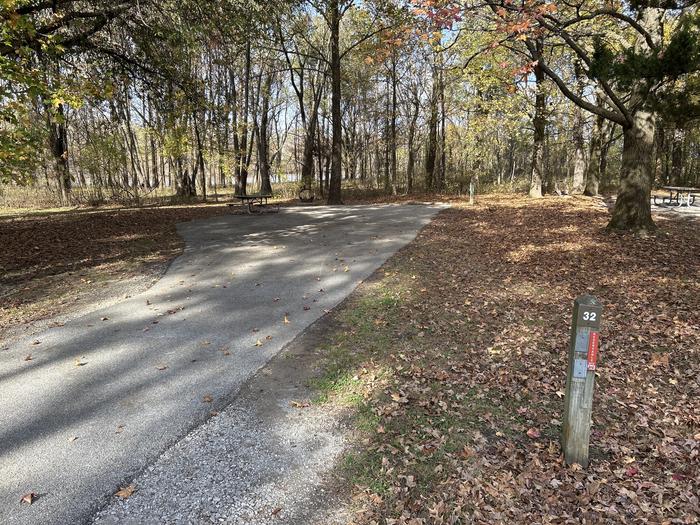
681	195
256	202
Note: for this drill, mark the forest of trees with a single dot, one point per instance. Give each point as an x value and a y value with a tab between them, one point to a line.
111	100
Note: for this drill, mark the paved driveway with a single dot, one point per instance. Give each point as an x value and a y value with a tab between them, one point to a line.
106	394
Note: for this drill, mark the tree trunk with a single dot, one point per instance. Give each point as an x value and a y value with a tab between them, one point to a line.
200	158
593	171
539	122
579	168
241	182
410	166
264	139
393	146
677	156
334	190
431	153
59	148
633	206
440	179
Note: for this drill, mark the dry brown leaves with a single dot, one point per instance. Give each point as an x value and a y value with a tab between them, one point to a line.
64	255
470	425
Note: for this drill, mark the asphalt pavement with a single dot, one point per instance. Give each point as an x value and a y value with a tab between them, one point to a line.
87	406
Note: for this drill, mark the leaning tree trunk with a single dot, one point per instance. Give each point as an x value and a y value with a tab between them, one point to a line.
633	206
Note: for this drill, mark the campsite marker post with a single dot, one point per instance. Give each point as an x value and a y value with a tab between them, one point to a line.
580	379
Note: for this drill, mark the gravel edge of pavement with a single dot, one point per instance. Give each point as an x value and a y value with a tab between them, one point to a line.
284	380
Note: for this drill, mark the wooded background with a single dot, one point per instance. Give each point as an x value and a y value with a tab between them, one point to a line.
125	100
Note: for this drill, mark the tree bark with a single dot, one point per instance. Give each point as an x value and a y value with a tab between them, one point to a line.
431	153
264	138
593	170
410	166
334	190
633	206
59	148
539	123
677	156
393	146
579	168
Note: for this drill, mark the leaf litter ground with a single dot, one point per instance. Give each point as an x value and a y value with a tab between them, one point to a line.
57	262
453	359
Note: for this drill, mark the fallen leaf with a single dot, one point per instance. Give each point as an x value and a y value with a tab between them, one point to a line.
28	498
533	433
300	404
120	429
105	318
660	359
258	343
28	357
276	511
208	398
125	492
286	319
161	367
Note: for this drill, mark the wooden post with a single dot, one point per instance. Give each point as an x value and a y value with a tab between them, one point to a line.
580	379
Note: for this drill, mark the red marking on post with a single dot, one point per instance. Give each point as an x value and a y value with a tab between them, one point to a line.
592	350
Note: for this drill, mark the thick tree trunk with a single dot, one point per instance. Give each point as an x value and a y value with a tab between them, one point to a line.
633	206
334	190
184	184
539	122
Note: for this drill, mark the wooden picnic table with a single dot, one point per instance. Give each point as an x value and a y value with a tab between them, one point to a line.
681	195
254	201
